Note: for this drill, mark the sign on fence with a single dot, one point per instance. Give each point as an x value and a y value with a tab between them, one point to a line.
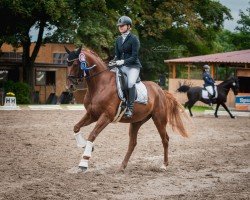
242	102
10	101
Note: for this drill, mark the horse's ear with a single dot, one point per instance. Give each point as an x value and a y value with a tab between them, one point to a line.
67	50
79	50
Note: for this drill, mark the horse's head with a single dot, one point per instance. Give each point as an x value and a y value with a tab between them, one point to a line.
234	84
78	67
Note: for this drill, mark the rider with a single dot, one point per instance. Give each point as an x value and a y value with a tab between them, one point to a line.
209	83
126	55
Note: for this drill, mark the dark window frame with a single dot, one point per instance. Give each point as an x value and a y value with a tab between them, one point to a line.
49	76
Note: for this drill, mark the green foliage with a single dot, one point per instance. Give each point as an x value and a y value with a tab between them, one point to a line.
231	41
241	39
21	91
166	29
17	19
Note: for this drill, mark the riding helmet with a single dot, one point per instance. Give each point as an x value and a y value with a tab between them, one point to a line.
206	67
124	20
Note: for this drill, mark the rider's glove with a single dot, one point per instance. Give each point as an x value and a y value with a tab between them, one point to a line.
120	62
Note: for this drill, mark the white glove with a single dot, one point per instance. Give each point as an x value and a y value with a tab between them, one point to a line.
120	62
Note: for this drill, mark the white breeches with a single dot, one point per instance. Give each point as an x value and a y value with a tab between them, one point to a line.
132	74
210	89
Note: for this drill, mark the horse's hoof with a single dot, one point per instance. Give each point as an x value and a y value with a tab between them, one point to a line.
76	129
83	169
216	116
233	117
163	167
121	169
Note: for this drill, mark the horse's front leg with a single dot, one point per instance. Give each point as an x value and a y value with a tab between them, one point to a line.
216	110
85	121
102	122
224	106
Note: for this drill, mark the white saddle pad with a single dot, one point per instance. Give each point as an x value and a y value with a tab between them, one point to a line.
142	93
205	93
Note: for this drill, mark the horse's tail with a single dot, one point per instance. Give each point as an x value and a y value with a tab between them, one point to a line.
174	112
183	88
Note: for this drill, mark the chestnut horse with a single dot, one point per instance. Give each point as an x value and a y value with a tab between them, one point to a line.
101	102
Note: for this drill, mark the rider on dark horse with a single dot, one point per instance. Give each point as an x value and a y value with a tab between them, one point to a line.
126	55
209	83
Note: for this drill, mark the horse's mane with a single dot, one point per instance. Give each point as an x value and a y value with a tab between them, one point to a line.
93	53
225	82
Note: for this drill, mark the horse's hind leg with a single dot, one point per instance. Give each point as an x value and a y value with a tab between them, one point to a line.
133	131
160	123
189	105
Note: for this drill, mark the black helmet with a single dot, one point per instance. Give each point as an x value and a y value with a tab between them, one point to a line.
124	20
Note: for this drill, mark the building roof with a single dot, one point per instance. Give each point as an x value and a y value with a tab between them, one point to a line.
237	57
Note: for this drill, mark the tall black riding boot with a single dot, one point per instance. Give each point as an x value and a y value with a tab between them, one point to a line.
210	99
130	104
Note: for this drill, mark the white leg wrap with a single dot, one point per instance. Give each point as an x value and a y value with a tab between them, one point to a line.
80	141
88	149
84	163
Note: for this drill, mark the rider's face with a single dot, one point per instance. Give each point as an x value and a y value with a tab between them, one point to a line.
123	28
207	70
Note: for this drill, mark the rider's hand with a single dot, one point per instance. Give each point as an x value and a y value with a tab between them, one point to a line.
120	62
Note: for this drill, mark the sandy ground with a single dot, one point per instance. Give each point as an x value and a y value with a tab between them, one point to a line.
38	157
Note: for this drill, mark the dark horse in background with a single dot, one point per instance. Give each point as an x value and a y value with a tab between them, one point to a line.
194	94
101	102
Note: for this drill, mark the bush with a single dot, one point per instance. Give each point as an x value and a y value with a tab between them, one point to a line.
21	91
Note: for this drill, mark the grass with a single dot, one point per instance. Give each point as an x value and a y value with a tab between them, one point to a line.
200	108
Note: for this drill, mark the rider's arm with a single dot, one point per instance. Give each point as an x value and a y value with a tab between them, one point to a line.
208	80
117	52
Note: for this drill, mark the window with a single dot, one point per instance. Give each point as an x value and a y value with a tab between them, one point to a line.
3	75
60	58
45	77
11	56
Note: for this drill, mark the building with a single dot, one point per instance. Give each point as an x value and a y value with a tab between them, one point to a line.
50	68
236	62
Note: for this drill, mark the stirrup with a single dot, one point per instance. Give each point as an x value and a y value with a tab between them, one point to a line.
128	113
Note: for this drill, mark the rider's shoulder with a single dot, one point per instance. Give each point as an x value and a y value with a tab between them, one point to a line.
118	37
134	36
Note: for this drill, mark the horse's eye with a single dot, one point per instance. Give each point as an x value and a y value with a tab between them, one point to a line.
70	63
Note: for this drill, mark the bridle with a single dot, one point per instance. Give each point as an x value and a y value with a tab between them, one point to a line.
84	67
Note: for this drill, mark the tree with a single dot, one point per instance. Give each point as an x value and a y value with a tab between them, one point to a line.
19	16
166	29
241	39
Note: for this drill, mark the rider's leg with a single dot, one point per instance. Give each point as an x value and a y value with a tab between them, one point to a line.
210	94
132	74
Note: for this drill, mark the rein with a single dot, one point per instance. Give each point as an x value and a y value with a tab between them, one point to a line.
90	76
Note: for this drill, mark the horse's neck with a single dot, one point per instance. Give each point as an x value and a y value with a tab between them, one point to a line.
99	77
224	86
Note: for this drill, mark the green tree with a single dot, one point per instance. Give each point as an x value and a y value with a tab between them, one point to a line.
241	39
17	19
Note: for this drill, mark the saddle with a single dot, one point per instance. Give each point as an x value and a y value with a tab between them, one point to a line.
140	89
121	83
205	94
